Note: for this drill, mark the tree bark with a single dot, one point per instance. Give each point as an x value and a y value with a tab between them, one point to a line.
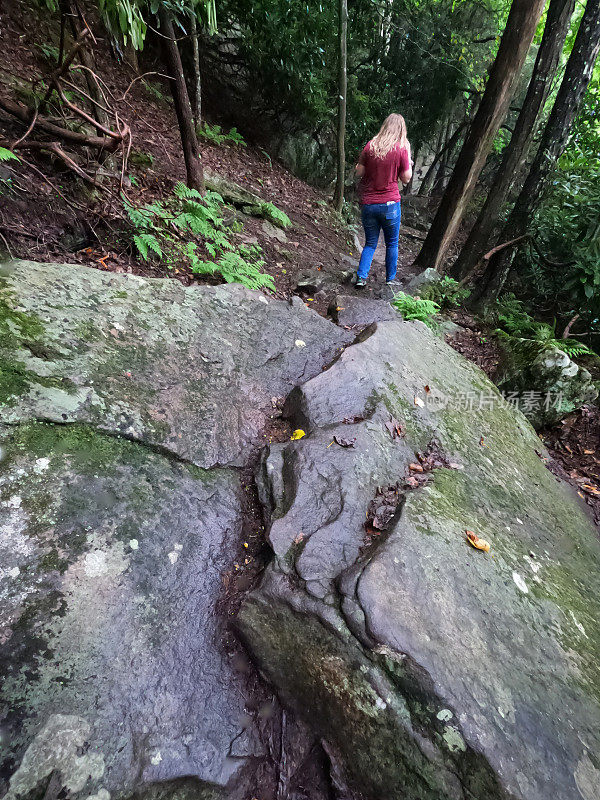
520	27
555	31
338	197
197	75
181	101
555	138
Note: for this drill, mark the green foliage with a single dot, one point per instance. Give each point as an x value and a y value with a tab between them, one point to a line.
215	135
567	225
416	308
7	155
447	293
172	231
275	214
513	319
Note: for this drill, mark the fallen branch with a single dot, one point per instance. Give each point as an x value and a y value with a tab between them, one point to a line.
503	246
82	139
567	330
55	149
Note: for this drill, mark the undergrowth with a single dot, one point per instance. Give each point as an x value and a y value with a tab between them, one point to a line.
176	230
215	135
512	317
416	308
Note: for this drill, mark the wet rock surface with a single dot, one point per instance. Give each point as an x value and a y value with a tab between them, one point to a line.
410	666
119	675
191	370
430	669
112	558
360	311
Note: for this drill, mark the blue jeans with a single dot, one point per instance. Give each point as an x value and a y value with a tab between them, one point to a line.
375	217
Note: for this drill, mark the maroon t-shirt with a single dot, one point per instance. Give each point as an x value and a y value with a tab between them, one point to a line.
379	184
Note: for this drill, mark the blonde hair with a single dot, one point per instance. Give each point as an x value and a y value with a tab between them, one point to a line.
391	134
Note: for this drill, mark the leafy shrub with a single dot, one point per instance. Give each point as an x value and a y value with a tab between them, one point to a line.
172	231
416	308
513	318
447	293
215	135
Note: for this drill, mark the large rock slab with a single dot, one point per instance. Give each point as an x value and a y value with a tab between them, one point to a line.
111	557
430	670
116	541
188	369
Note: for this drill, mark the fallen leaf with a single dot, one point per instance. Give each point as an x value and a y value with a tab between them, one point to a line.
344	442
416	467
419	402
427	389
481	442
297	434
395	428
299	538
589	452
475	541
591	489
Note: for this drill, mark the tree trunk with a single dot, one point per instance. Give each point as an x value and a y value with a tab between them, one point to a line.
555	31
520	28
181	100
555	138
87	59
338	197
197	76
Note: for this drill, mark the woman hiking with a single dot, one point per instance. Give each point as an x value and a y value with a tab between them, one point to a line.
384	161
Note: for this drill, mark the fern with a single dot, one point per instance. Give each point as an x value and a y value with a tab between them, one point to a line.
276	215
145	242
173	229
8	155
415	308
447	293
513	319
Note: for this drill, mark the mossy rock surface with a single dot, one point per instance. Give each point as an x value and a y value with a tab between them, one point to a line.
431	669
111	559
189	370
546	384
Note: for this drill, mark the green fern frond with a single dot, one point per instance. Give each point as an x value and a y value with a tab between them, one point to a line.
416	308
8	155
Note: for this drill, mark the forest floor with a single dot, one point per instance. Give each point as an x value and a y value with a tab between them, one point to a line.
48	214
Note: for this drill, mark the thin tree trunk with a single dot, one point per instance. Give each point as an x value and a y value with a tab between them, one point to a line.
557	26
196	63
520	27
87	59
427	181
181	100
578	73
338	197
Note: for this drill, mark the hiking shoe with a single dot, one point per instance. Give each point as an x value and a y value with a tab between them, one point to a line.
393	282
360	283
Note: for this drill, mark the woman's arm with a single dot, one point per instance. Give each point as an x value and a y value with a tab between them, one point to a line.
406	166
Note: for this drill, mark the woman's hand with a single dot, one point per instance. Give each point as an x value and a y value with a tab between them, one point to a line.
359	169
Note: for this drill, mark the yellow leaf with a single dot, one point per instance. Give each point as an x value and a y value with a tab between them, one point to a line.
297	434
475	541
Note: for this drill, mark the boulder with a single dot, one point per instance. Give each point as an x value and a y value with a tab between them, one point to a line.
187	369
430	670
542	380
423	280
243	198
311	281
361	311
124	403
